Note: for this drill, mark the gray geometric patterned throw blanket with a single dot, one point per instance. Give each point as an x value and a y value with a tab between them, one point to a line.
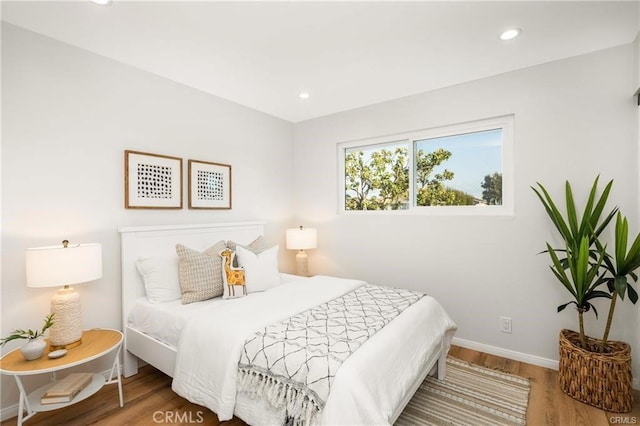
292	364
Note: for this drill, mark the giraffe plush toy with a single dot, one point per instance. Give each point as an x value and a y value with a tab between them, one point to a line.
233	276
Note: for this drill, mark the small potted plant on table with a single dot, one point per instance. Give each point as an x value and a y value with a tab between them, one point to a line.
35	346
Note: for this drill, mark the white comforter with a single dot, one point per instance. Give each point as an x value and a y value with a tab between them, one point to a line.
369	386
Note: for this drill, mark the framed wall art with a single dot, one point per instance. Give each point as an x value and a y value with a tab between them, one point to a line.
209	185
152	181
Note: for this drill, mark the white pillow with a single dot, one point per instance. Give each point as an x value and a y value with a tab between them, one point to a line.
260	269
160	277
256	246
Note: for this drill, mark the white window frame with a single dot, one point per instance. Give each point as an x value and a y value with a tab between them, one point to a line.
505	123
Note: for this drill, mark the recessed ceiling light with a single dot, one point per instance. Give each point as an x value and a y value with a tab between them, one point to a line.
102	2
511	33
303	95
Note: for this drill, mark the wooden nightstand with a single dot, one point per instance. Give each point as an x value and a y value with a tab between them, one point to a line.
95	344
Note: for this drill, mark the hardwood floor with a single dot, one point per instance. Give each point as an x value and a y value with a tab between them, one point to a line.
149	400
548	405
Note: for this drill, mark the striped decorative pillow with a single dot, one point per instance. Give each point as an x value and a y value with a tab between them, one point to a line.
200	273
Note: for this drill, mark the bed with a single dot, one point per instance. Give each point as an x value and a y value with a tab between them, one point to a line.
372	386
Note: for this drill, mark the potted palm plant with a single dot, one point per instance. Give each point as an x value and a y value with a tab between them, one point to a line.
594	371
622	267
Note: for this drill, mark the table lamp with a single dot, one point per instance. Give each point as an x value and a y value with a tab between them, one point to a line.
66	264
301	239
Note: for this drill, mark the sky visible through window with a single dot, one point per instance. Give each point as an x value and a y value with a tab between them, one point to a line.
474	155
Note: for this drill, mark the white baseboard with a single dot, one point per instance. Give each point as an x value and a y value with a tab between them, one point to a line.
9	412
12	410
507	353
516	356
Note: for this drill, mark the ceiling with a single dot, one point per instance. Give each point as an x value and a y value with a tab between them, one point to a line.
345	54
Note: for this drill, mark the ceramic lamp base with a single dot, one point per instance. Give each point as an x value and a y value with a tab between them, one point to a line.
302	264
66	331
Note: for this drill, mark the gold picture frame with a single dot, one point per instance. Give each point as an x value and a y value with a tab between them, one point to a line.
152	181
209	185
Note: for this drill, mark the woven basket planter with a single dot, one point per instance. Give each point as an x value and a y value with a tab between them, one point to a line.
599	379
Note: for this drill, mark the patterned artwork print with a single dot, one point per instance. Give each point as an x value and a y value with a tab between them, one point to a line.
154	181
210	185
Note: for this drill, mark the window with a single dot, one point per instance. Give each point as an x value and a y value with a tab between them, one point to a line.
465	168
377	177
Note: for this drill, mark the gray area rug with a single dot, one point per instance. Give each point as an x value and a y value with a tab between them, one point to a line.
469	395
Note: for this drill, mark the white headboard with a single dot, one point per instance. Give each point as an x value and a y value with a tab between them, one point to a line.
149	241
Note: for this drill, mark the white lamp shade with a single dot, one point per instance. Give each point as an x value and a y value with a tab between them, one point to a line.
302	238
55	266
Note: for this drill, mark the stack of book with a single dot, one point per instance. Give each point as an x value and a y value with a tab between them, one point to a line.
66	389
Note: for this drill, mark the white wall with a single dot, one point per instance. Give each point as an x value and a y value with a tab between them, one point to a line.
574	119
68	115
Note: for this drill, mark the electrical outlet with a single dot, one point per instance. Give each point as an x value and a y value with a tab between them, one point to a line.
505	324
